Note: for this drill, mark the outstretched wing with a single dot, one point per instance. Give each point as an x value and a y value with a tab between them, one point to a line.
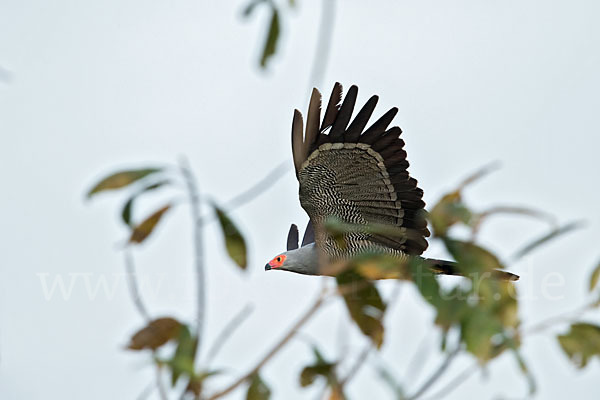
357	176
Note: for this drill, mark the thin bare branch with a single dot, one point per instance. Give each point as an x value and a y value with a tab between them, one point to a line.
369	347
227	331
417	360
568	316
513	210
436	374
146	392
195	206
455	382
278	346
259	187
323	48
478	175
357	364
160	385
549	236
132	284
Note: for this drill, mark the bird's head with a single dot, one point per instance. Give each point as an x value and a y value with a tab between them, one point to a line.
276	262
303	261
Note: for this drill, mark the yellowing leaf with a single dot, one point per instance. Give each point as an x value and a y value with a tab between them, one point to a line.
380	266
595	277
234	241
155	334
121	179
581	343
364	304
146	227
320	368
447	212
258	389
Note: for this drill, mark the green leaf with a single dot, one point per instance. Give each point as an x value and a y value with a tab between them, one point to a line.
425	280
472	259
452	308
595	277
478	328
128	207
184	358
258	389
155	334
581	343
234	241
270	46
542	240
146	227
121	179
364	304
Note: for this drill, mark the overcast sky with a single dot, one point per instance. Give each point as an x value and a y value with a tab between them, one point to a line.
88	87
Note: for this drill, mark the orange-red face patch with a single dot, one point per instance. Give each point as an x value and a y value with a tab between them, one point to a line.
277	261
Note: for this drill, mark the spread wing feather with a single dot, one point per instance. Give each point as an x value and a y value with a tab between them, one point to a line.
358	176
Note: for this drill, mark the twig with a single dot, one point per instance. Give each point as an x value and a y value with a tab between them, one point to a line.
367	350
252	192
455	382
194	196
417	361
323	43
486	169
357	364
259	187
146	392
436	374
290	334
549	218
227	331
132	283
160	384
563	317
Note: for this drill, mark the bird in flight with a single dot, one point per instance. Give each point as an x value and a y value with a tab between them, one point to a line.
357	177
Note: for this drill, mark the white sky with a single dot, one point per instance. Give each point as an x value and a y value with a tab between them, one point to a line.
87	87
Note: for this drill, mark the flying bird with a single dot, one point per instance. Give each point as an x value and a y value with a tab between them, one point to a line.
358	177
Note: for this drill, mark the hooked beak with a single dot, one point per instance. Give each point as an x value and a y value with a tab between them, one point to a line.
267	267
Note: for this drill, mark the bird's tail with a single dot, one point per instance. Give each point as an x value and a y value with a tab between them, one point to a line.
451	268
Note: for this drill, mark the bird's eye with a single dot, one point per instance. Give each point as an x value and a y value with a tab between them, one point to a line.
278	259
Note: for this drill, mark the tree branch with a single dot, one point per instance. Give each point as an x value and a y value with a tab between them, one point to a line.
195	205
278	346
323	43
259	187
367	350
227	331
132	284
563	317
436	374
455	382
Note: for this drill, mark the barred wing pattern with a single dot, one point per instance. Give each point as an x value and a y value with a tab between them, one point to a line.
359	177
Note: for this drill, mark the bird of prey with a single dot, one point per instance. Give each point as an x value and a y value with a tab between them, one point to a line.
360	178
